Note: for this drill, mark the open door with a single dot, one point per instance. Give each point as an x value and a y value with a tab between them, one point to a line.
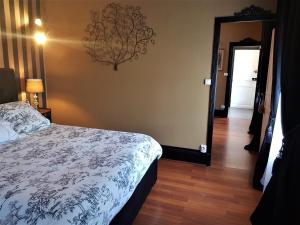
242	74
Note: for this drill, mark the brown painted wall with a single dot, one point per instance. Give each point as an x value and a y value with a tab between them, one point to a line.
233	32
161	94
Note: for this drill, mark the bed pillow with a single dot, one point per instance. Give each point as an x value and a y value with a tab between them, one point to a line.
6	132
22	117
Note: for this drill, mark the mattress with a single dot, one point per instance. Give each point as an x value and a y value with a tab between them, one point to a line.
71	175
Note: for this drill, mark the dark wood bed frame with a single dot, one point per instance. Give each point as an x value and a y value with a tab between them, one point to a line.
9	93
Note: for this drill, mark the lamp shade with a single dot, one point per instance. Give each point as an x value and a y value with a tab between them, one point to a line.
34	86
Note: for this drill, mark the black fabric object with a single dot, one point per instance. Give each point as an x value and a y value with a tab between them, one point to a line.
260	166
255	116
262	75
279	204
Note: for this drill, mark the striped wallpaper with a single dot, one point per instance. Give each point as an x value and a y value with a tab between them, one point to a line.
17	48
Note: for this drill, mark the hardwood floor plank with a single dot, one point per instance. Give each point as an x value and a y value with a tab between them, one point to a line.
192	194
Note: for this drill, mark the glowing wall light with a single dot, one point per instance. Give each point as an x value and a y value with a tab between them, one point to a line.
38	22
40	37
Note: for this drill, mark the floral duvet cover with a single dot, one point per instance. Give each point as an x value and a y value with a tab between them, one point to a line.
71	175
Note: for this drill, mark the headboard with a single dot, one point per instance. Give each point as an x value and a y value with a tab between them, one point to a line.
8	86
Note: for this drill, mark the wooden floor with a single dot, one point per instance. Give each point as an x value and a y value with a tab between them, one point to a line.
187	194
229	138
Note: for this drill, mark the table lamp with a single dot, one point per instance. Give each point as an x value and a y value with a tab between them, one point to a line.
35	86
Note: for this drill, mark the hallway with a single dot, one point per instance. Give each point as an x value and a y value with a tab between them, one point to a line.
191	194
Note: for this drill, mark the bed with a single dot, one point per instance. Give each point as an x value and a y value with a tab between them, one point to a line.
62	175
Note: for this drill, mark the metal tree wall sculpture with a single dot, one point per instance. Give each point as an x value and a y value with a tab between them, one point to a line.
117	35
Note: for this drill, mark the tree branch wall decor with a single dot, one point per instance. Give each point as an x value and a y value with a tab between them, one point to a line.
117	35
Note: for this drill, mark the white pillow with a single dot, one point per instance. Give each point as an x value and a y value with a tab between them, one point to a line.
22	117
6	132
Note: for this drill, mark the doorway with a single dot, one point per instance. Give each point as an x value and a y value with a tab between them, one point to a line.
236	88
214	105
242	79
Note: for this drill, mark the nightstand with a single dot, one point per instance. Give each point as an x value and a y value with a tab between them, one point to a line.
46	112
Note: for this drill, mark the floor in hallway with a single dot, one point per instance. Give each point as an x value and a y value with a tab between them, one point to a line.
230	137
240	113
187	194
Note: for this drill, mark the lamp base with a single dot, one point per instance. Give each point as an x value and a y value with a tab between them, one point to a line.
35	101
